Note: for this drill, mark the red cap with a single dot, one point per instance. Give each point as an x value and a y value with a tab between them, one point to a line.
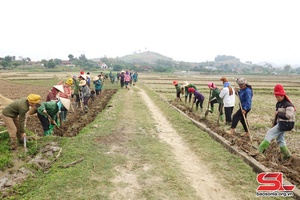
191	90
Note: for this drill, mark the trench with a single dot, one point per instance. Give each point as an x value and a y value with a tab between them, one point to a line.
232	146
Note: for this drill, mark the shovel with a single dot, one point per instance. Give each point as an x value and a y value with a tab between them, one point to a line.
53	122
207	109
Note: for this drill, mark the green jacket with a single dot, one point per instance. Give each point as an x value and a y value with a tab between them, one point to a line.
178	88
76	86
17	108
189	86
51	107
215	94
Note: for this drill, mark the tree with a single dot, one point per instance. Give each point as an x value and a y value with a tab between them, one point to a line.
71	57
287	68
83	58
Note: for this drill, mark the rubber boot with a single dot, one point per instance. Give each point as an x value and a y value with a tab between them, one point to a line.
51	128
13	143
222	118
48	132
286	153
211	110
263	146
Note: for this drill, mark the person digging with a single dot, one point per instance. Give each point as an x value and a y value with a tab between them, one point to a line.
13	116
198	99
178	90
187	94
47	114
215	98
284	121
245	94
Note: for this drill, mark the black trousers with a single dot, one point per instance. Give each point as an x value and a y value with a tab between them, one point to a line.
220	109
238	116
228	113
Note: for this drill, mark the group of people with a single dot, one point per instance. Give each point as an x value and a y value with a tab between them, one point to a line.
65	95
284	109
127	78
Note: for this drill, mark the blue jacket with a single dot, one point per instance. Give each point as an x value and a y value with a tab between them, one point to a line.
246	98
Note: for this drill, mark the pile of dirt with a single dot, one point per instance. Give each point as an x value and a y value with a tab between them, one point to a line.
41	161
273	160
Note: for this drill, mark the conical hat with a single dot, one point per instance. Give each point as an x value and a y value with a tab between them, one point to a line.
185	84
59	87
82	83
96	78
65	102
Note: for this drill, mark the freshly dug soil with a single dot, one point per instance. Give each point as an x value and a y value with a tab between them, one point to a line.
273	160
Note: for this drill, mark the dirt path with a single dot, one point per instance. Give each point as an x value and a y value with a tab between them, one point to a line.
201	178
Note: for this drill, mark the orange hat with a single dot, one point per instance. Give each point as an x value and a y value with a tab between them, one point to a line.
175	82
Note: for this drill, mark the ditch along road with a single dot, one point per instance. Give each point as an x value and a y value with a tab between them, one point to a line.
152	160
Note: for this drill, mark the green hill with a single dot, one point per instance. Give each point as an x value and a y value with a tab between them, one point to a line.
144	57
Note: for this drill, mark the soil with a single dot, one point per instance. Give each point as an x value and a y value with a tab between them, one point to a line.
74	124
273	160
193	170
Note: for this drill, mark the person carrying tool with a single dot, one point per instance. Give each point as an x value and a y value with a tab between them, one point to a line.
198	98
215	98
187	94
245	94
178	90
13	116
84	94
227	94
66	93
75	89
284	121
98	85
47	113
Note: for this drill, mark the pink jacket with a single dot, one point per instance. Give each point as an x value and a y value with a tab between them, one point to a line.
127	78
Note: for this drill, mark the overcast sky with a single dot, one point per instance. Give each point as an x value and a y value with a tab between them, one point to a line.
190	30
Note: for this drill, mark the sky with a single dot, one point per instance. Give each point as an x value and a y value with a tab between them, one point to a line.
190	30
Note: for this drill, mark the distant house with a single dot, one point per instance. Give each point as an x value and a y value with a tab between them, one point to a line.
146	68
103	66
67	63
210	68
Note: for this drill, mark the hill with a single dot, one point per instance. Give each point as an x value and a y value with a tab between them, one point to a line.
144	57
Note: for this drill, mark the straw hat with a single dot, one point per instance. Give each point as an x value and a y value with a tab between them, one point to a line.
82	83
95	78
185	84
59	87
65	102
83	76
122	71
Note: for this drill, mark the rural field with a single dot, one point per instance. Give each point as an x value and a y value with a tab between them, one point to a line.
141	143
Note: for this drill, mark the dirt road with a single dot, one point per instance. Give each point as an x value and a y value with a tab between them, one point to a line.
201	178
